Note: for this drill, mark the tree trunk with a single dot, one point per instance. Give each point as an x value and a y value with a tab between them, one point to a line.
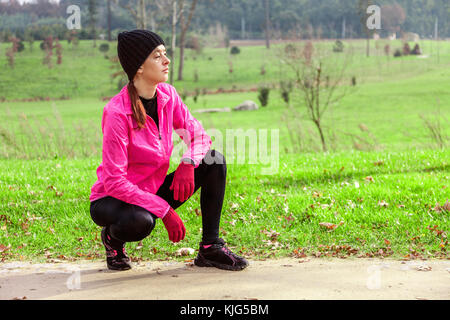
436	29
181	64
368	45
242	27
174	34
184	28
322	138
343	28
108	8
266	7
142	14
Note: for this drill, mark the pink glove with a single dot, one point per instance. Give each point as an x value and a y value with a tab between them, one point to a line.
174	226
183	182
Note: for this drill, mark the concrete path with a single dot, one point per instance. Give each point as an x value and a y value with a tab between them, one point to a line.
291	279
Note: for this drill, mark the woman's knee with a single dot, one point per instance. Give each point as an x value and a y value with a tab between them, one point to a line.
216	160
134	226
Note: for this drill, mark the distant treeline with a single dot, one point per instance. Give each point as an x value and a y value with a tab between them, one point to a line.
233	19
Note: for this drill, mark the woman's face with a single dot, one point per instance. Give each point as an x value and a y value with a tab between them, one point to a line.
155	68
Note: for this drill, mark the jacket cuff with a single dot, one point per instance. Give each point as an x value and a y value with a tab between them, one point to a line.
166	211
188	160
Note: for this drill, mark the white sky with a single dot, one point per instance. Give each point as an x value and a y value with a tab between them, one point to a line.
22	1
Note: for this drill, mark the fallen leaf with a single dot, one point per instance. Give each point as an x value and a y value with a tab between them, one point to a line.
184	252
387	242
423	268
369	178
4	248
383	203
19	298
330	226
446	206
316	194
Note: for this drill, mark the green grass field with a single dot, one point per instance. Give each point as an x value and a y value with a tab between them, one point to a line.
377	187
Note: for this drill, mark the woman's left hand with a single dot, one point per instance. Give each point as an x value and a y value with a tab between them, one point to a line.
183	182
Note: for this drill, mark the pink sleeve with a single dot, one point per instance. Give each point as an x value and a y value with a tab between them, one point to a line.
192	132
115	163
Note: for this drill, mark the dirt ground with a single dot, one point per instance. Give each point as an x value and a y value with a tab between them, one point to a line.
287	279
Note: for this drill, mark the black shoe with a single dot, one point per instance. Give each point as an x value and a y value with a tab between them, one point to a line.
219	256
116	256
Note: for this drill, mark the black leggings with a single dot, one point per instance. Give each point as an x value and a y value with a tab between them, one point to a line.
127	222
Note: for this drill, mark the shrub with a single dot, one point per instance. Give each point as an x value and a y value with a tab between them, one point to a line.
286	88
20	46
196	94
195	75
195	43
406	49
263	70
235	50
290	49
387	49
416	50
263	95
104	47
338	46
397	53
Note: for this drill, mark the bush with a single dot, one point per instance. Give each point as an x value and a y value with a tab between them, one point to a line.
416	50
235	50
286	88
194	42
406	49
290	49
20	47
397	53
338	46
104	47
263	95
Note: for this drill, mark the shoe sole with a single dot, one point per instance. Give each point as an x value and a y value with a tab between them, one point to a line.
208	263
117	268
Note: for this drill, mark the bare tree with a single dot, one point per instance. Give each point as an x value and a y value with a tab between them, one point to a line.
184	25
108	18
92	11
139	14
318	79
362	10
267	24
392	16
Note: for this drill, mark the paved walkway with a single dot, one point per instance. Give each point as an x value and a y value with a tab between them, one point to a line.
291	279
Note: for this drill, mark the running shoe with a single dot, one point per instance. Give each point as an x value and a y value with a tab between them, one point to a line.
116	256
219	256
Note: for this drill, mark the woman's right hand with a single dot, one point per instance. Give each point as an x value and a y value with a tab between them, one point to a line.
174	226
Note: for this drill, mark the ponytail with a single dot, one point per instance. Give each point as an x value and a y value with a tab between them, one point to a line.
139	113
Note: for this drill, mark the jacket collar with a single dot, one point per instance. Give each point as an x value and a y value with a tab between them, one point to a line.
161	100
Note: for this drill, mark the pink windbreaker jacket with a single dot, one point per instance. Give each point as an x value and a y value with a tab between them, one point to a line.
135	162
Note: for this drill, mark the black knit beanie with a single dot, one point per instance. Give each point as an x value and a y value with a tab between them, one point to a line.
133	48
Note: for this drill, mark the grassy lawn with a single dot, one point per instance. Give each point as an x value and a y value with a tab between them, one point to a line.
362	199
383	204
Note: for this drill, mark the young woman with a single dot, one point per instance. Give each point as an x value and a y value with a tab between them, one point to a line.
133	189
